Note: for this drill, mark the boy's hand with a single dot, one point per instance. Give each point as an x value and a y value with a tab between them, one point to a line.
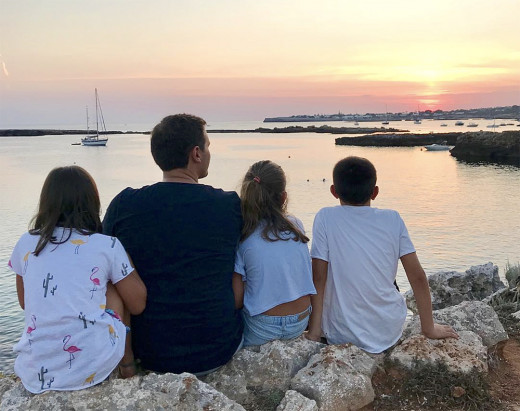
440	331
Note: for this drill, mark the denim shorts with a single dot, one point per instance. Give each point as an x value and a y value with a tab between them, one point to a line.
261	328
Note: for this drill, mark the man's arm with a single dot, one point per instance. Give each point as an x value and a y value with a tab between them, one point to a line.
319	276
421	290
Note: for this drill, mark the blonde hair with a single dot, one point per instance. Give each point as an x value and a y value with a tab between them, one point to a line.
262	194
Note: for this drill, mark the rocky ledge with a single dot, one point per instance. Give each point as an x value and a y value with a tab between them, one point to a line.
304	375
399	140
488	146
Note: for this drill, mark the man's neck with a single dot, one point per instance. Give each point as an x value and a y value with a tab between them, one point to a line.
180	175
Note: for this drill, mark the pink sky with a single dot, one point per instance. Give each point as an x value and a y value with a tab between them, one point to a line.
233	60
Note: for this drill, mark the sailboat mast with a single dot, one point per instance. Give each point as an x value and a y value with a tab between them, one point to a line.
97	119
88	132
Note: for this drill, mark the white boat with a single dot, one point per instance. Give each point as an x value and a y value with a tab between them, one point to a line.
417	121
444	125
94	140
459	123
472	125
356	123
437	147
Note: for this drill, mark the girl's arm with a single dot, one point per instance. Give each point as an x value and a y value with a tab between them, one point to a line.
20	291
319	276
238	290
132	291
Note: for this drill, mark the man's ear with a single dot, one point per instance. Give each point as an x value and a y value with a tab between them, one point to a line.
195	154
333	191
374	193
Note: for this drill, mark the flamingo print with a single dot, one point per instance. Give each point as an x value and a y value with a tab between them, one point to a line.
70	349
77	243
31	329
95	281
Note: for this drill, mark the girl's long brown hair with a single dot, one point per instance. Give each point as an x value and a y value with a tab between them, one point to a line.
262	196
69	199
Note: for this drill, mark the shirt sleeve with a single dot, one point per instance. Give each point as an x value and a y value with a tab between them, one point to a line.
121	266
19	254
320	247
405	243
240	266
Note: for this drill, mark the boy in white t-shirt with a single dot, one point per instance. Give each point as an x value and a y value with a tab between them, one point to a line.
355	252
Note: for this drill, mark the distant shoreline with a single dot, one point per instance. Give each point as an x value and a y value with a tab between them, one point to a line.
289	129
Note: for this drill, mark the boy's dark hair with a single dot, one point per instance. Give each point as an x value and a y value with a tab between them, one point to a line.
354	180
173	139
69	199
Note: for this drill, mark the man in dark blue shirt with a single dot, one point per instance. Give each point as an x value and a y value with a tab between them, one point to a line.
181	236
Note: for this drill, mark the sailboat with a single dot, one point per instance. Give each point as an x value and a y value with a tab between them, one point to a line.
386	116
94	140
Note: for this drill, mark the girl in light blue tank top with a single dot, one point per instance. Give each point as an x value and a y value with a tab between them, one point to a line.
273	275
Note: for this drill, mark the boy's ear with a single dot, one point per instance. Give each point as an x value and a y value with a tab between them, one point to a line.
333	191
374	193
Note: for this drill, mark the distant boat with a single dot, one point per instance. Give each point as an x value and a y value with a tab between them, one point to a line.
437	147
417	121
385	122
444	125
100	121
472	125
459	123
493	126
356	123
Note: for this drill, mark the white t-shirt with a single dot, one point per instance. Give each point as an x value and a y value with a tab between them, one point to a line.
68	342
275	272
362	246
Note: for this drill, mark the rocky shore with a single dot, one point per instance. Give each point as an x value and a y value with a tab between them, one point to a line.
399	139
488	146
315	129
304	375
45	132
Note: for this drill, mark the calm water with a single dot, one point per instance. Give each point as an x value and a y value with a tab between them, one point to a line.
458	214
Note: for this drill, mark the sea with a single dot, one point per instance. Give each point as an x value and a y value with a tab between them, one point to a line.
458	214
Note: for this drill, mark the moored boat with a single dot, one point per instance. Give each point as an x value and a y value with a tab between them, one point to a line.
437	147
95	140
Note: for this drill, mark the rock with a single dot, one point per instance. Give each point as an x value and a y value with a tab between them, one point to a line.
338	378
488	146
516	315
264	370
182	392
473	316
450	288
462	355
294	401
457	392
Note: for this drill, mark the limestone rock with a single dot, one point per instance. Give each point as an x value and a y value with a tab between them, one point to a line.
182	392
263	369
450	288
338	378
463	354
294	401
473	316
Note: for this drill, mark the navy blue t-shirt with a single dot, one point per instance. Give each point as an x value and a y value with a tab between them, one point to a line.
182	239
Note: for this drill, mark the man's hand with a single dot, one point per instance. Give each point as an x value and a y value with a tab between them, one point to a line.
440	331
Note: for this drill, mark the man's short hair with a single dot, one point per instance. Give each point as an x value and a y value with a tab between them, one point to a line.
173	139
354	180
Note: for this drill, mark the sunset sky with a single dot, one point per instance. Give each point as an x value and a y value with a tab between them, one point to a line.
248	59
